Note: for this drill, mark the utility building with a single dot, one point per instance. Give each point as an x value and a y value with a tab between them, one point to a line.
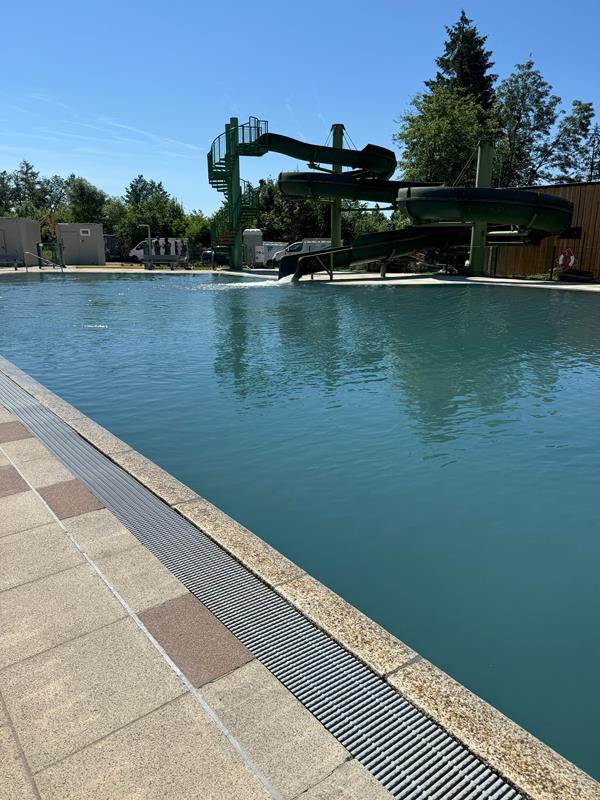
18	241
82	243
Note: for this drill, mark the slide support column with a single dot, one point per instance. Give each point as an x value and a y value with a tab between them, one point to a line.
485	158
235	194
337	140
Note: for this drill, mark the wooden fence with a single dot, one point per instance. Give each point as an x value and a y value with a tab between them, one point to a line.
533	260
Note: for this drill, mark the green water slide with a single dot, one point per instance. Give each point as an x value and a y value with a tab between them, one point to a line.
441	215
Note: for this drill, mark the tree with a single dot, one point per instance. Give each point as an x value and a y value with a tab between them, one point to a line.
53	192
591	155
526	111
569	148
465	63
140	190
84	199
26	185
197	229
6	193
439	136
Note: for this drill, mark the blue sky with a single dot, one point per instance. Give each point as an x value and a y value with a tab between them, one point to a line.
109	90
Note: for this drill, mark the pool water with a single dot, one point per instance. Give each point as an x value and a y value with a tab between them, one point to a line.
430	453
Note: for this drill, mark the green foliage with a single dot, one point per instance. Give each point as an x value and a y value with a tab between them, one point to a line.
465	63
439	135
590	157
282	218
85	200
197	229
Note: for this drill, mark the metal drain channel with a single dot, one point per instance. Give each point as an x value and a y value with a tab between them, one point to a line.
412	756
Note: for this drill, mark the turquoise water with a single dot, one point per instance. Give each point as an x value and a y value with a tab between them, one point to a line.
430	453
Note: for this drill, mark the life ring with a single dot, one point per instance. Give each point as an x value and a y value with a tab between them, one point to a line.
567	259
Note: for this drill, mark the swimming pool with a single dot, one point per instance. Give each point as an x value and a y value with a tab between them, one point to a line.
430	453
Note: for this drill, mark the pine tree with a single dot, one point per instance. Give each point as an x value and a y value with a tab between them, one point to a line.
465	63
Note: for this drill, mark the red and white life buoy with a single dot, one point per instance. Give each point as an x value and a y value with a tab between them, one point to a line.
567	259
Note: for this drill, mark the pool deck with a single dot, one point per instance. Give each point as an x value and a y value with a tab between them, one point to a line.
116	682
339	278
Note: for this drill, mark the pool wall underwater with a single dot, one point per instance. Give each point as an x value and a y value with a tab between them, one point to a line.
530	766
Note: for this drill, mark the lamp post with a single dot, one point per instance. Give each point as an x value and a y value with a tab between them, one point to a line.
149	239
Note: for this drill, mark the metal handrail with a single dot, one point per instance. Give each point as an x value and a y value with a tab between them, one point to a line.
41	258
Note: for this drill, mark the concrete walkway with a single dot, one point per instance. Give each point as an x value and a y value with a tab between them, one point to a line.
116	682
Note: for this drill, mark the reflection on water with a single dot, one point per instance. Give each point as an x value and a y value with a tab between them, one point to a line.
428	452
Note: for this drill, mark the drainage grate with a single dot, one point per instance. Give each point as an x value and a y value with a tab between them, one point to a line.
407	752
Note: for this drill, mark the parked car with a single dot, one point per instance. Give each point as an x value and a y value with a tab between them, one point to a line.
301	247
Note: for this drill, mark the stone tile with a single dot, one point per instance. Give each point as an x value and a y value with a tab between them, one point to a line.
18	512
25	450
31	554
3	459
68	697
154	478
13	431
201	646
15	783
99	533
368	641
70	498
53	610
535	769
98	436
45	471
351	781
245	546
10	481
174	752
140	578
56	404
6	416
283	739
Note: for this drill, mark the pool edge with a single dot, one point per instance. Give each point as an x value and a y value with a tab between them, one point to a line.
532	767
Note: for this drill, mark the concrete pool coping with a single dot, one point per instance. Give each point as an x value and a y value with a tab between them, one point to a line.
341	279
531	766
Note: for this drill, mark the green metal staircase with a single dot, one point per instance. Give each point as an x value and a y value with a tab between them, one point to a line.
224	176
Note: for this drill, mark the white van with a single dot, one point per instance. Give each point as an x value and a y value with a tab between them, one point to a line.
160	247
304	246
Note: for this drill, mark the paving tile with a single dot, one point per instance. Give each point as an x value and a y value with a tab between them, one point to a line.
283	739
99	533
12	431
358	633
6	416
3	459
18	512
53	610
174	752
10	481
351	781
45	471
259	557
70	498
140	578
71	696
25	450
31	554
154	477
201	646
14	781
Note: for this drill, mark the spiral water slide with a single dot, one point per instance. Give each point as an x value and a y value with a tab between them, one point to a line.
441	216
